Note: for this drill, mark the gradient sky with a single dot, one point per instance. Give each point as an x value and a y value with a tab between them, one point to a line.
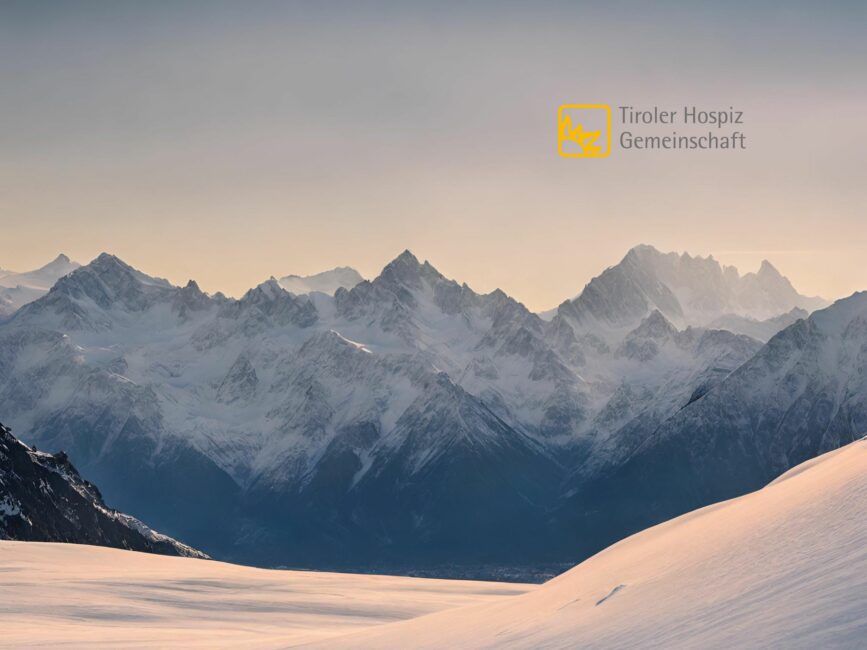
227	142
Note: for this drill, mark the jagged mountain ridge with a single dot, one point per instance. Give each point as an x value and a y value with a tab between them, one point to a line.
282	428
688	290
44	499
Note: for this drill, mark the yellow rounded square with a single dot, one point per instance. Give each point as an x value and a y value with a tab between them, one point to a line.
588	142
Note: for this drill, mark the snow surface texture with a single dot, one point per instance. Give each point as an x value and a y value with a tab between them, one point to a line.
18	289
377	422
784	567
75	596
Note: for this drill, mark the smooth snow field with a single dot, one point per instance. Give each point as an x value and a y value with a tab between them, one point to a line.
784	567
72	596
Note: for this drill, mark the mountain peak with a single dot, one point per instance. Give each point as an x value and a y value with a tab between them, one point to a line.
403	269
688	290
640	249
36	283
327	282
107	260
270	302
655	325
768	269
112	270
406	257
108	281
269	289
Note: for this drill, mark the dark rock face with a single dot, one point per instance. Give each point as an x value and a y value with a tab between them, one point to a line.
44	499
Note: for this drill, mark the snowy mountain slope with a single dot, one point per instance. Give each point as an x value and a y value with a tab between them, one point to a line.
43	498
283	428
782	567
686	290
73	596
327	282
664	370
18	289
804	393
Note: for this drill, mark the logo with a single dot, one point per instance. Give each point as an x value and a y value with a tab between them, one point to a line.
584	130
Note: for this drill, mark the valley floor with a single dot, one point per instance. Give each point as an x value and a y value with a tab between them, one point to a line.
782	567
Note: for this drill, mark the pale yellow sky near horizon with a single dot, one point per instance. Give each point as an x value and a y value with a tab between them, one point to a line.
227	144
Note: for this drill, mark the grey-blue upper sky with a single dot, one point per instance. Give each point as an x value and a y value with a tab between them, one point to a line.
291	137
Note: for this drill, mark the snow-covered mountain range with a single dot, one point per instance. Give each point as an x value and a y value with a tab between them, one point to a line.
18	289
44	499
403	421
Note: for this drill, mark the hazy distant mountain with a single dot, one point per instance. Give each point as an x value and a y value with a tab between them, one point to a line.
18	289
404	421
761	330
326	282
44	499
686	290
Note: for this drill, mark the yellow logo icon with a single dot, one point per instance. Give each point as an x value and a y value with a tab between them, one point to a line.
584	130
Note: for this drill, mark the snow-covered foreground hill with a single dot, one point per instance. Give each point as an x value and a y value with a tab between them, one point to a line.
75	596
784	567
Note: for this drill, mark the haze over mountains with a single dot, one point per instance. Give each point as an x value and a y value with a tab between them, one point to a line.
325	282
407	422
686	290
17	289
